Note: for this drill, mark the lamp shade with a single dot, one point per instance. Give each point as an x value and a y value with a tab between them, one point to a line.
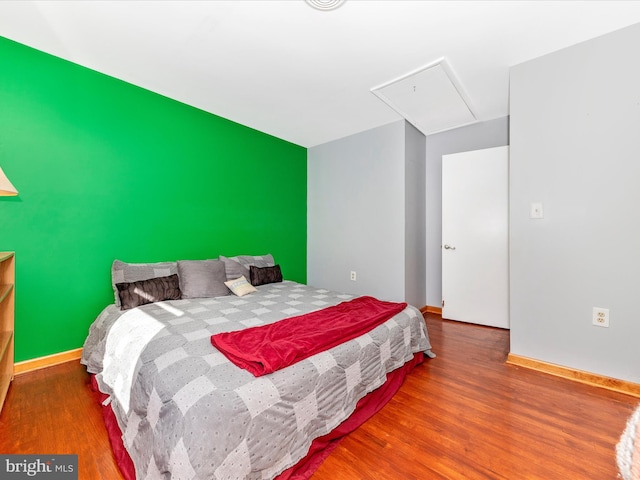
6	188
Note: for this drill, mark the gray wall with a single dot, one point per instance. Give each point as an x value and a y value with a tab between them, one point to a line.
575	146
415	211
492	133
357	214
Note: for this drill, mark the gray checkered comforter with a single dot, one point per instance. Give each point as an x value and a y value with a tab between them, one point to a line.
186	412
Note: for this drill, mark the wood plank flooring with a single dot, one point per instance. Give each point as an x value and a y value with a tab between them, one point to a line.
463	415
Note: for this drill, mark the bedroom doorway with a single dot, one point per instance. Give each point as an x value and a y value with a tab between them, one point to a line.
475	237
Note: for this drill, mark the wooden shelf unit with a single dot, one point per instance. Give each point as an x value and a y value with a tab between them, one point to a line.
7	307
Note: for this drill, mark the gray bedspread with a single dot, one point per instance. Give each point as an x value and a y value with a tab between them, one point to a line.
186	412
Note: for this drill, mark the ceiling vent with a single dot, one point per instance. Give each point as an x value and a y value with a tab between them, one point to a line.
430	98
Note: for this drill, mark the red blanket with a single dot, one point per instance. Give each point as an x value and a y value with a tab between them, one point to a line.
268	348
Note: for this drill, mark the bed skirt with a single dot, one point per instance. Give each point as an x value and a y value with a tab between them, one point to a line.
320	448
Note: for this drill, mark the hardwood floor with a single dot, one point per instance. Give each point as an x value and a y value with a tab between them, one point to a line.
53	411
463	415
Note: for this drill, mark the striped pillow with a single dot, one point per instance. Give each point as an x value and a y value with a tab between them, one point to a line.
240	286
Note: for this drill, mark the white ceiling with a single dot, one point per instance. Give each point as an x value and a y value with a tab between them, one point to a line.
302	74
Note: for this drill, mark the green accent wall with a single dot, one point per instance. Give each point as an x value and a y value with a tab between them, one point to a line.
106	170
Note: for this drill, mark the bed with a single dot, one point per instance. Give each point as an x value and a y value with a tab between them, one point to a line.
183	410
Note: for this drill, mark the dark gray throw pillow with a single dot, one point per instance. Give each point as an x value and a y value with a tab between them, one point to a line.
142	292
264	275
202	278
122	272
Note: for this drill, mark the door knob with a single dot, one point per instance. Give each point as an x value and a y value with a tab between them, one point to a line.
449	247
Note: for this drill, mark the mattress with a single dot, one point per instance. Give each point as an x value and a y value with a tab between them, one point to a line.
186	412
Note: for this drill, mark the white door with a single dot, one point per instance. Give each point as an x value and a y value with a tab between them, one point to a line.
475	237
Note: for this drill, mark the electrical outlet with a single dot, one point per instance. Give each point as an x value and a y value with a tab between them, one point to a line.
353	276
601	316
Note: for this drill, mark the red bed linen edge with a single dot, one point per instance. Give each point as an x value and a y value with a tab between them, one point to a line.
320	448
366	408
115	435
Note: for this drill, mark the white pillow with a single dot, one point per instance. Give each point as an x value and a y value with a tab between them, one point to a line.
240	286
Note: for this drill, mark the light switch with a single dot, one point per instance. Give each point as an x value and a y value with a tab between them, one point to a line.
536	210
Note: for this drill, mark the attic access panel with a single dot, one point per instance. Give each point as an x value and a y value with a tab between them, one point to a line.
431	99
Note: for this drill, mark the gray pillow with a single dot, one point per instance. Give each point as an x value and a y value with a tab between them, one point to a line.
122	272
202	278
233	269
238	266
